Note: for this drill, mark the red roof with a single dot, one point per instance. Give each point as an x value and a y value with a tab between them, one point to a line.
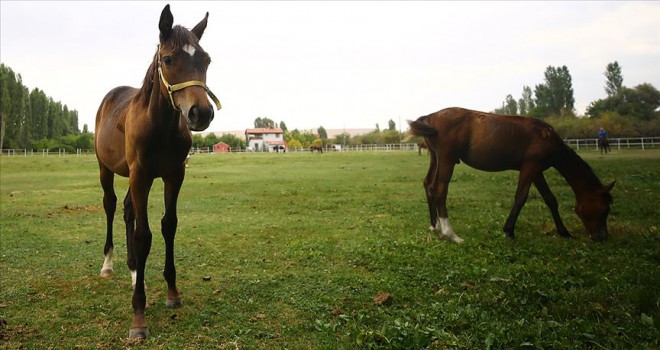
264	131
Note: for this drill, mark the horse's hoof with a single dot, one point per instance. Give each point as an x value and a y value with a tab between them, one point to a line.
138	333
510	236
107	273
173	303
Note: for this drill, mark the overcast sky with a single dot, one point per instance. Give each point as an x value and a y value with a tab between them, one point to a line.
337	64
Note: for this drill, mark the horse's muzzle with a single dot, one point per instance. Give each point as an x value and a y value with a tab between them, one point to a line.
199	118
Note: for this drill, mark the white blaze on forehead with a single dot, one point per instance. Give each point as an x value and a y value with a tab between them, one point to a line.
189	49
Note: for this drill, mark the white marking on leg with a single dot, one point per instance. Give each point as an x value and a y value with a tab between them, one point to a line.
447	231
107	269
134	280
189	49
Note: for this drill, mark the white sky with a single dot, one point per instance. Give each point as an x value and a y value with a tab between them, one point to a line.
337	64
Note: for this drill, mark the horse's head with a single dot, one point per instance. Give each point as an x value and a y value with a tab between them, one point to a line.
182	65
593	211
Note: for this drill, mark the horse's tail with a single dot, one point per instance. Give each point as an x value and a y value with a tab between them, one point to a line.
421	127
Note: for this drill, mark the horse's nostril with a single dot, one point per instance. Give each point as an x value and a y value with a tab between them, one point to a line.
193	114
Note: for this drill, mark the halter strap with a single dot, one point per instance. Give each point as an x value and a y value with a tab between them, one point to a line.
176	87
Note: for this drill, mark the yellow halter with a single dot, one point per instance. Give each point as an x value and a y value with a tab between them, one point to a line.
176	87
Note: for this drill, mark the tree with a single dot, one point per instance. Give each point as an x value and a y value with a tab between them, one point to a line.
263	122
526	102
555	96
323	134
283	126
638	103
391	125
614	79
343	139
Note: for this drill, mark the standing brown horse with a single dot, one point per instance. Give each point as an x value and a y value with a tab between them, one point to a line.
495	143
316	148
144	134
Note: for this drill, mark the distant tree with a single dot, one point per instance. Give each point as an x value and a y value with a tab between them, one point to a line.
263	122
283	126
294	144
343	139
391	125
555	96
323	134
640	103
526	102
233	141
614	79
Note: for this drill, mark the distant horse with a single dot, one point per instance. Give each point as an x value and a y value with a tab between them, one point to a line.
495	143
144	134
604	145
316	148
420	145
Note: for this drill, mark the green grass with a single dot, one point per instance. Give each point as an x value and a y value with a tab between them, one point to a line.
298	245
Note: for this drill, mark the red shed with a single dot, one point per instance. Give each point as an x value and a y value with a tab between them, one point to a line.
221	147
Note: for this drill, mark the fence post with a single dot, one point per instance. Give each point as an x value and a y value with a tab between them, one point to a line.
642	143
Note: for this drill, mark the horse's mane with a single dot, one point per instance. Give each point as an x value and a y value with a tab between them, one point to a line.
179	38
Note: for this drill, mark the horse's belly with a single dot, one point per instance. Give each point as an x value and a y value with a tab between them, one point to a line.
492	159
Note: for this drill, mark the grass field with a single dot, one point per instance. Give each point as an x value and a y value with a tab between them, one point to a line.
290	250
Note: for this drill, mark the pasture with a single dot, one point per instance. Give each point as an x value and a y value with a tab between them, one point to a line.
316	251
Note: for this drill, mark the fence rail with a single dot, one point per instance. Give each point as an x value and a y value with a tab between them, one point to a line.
579	144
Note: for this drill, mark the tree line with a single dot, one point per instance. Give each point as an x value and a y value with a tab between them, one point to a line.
32	119
624	112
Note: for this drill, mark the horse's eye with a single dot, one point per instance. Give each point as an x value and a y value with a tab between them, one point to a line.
167	60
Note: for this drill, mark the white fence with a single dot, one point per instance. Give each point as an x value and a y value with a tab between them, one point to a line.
616	143
579	144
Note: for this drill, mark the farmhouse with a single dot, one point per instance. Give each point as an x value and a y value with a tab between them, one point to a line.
221	147
265	139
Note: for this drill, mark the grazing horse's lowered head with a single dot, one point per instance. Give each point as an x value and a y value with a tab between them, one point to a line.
593	210
181	64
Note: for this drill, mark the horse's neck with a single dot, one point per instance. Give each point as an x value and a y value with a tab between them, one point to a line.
577	173
159	108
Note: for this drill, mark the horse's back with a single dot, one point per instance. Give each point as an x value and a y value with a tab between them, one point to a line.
109	140
494	142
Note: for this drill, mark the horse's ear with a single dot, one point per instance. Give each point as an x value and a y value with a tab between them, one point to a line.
199	28
165	24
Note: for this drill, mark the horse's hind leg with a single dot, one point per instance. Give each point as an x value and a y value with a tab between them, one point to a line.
437	191
430	191
550	200
168	229
109	205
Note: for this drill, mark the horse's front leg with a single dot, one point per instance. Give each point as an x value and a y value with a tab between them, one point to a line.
168	229
551	201
525	178
140	185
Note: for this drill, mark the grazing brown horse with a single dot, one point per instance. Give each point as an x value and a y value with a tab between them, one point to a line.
144	134
316	148
495	143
